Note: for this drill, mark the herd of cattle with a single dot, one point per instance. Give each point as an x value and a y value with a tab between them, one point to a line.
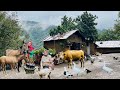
13	57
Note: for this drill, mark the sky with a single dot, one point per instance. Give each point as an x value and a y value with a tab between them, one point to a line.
106	19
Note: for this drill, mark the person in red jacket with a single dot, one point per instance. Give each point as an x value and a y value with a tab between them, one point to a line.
31	53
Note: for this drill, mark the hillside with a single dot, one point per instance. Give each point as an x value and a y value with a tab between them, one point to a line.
37	32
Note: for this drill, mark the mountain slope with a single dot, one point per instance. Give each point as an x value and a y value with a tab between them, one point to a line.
37	32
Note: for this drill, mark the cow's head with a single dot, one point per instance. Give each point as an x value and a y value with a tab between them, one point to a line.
61	55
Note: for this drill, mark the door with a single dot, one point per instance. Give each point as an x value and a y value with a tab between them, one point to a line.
75	46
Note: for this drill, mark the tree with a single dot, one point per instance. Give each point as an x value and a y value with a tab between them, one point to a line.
106	35
64	23
9	32
117	27
111	34
86	25
71	24
53	32
67	24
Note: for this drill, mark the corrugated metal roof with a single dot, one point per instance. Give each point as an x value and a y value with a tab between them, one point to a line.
108	44
57	37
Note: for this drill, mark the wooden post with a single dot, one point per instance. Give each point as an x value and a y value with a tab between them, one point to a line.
88	46
88	49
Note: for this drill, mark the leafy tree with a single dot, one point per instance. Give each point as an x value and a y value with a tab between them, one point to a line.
106	35
64	23
53	32
10	31
67	24
86	25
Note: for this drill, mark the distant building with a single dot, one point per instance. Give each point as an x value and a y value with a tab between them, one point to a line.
72	40
108	46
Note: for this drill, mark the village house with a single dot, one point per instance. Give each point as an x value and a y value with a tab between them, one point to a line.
107	46
72	40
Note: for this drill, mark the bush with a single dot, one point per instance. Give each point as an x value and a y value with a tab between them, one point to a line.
36	51
52	52
41	50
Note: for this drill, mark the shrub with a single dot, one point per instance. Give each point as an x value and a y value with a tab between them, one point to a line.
52	52
41	50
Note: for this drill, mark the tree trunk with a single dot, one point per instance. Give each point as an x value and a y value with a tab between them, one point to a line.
88	49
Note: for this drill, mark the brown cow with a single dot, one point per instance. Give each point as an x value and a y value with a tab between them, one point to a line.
12	60
11	52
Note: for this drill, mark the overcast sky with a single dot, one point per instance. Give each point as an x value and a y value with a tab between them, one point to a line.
106	19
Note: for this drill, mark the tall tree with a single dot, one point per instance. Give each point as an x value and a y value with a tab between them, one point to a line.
64	23
68	24
9	32
86	25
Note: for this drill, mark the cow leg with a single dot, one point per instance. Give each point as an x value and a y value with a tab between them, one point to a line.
20	63
81	62
11	67
14	66
18	66
4	68
68	64
71	63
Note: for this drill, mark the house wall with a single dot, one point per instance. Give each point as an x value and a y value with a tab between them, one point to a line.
54	45
108	50
92	48
75	38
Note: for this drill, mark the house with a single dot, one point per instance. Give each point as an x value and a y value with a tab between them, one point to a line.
107	46
72	40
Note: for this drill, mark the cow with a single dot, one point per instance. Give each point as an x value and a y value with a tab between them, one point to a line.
71	55
12	60
11	52
58	58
